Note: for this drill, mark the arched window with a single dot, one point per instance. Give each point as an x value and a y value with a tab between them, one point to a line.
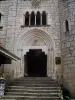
43	18
27	18
38	19
32	18
67	26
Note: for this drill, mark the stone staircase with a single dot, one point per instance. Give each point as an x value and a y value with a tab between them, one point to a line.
33	88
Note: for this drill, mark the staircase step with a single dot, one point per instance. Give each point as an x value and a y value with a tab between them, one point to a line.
7	99
25	82
35	78
31	90
40	84
33	87
33	94
29	97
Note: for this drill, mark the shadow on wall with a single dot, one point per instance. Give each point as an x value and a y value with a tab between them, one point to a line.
66	93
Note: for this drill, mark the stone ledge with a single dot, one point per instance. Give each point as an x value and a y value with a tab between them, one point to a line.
22	26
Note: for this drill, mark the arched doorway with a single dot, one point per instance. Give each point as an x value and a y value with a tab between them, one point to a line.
36	62
37	38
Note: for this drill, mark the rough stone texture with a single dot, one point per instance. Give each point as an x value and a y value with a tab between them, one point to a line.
17	39
13	36
33	88
67	12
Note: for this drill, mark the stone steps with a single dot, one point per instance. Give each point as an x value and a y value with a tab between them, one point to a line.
47	88
30	97
35	84
33	94
32	89
35	78
35	81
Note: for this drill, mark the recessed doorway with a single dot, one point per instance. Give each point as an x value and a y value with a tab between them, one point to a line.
36	63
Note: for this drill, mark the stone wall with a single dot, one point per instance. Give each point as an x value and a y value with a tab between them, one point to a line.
12	20
67	12
13	16
4	11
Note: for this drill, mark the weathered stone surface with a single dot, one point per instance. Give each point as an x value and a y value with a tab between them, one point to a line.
58	42
14	35
67	12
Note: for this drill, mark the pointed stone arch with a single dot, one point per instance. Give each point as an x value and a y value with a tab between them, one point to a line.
37	38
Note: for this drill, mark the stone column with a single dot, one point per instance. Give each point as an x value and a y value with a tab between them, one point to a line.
47	19
23	20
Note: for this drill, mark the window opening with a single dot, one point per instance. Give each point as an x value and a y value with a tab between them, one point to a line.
27	19
32	18
38	20
67	26
44	18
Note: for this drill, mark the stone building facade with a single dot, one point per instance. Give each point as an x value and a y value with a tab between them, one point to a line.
67	12
56	38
